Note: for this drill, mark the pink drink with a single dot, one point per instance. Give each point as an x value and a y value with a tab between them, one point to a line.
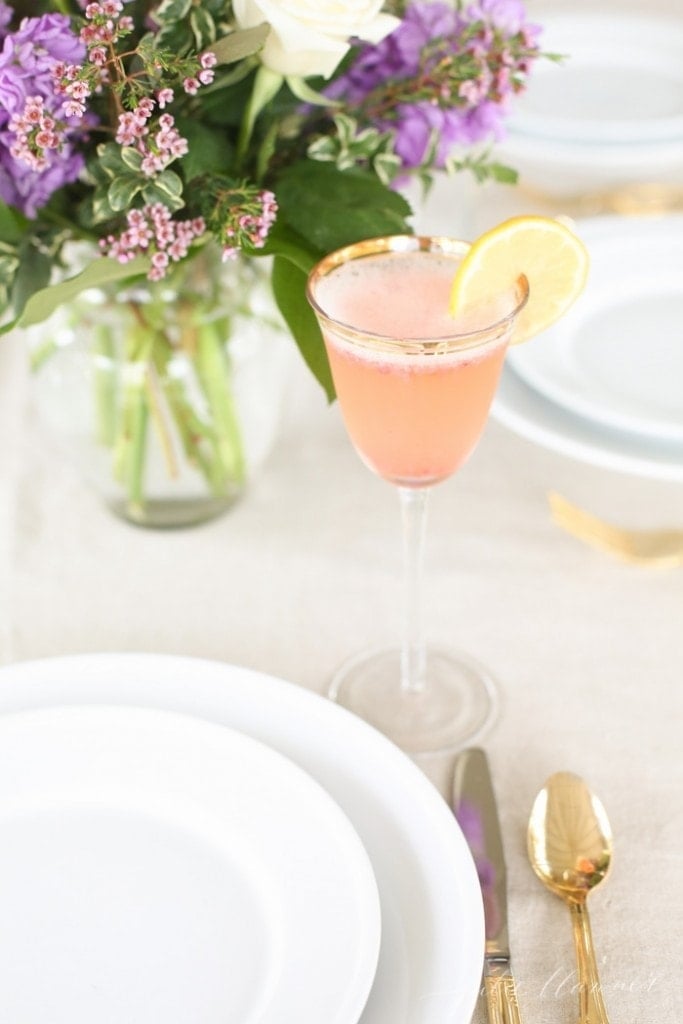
413	412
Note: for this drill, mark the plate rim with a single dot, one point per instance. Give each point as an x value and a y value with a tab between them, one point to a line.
529	415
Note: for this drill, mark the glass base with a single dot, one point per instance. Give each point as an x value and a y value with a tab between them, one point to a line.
457	704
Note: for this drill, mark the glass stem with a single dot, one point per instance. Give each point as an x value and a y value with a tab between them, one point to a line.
413	655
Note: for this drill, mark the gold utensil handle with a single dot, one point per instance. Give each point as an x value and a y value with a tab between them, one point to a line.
501	999
591	1007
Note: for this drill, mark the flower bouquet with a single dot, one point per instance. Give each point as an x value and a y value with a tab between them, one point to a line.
141	140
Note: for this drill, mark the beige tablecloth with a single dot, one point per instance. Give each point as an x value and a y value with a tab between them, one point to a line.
588	652
304	571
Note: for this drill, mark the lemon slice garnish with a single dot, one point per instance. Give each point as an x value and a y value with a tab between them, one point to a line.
547	252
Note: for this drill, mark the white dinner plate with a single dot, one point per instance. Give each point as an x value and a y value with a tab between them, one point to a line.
159	868
621	81
617	357
430	960
527	413
608	115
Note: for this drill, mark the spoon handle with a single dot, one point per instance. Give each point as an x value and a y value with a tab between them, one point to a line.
591	1007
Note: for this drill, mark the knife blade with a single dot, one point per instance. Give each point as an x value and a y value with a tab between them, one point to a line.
474	804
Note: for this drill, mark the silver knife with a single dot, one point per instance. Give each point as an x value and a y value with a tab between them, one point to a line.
474	803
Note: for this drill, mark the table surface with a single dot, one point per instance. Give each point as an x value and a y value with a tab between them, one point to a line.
588	652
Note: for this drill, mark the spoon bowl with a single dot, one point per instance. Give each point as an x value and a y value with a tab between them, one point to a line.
570	850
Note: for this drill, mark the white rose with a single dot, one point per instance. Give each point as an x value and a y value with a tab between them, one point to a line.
310	37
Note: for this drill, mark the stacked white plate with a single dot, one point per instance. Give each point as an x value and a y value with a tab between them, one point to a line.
605	384
189	842
611	112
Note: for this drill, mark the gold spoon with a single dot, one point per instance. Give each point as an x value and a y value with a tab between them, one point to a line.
570	849
661	548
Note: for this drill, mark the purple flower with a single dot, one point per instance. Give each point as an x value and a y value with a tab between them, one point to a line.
399	54
413	83
508	15
27	57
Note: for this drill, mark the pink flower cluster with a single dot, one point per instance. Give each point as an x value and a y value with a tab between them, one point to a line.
152	232
69	83
205	74
107	24
158	149
248	223
76	82
35	133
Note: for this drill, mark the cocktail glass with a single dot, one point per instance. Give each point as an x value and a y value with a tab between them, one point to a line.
415	387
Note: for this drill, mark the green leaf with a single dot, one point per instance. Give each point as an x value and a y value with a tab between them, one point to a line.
96	209
13	225
504	175
324	148
132	158
482	168
9	264
386	166
282	240
331	208
167	189
238	45
123	190
95	173
110	159
209	151
347	127
172	10
175	37
170	183
33	274
224	101
101	271
203	27
289	289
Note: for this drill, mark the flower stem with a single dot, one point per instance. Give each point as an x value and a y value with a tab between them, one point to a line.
213	371
105	385
193	432
130	446
266	85
155	396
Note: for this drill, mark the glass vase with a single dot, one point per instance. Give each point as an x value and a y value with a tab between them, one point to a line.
167	395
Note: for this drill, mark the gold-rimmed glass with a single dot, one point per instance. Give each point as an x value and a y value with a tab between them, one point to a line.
415	388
